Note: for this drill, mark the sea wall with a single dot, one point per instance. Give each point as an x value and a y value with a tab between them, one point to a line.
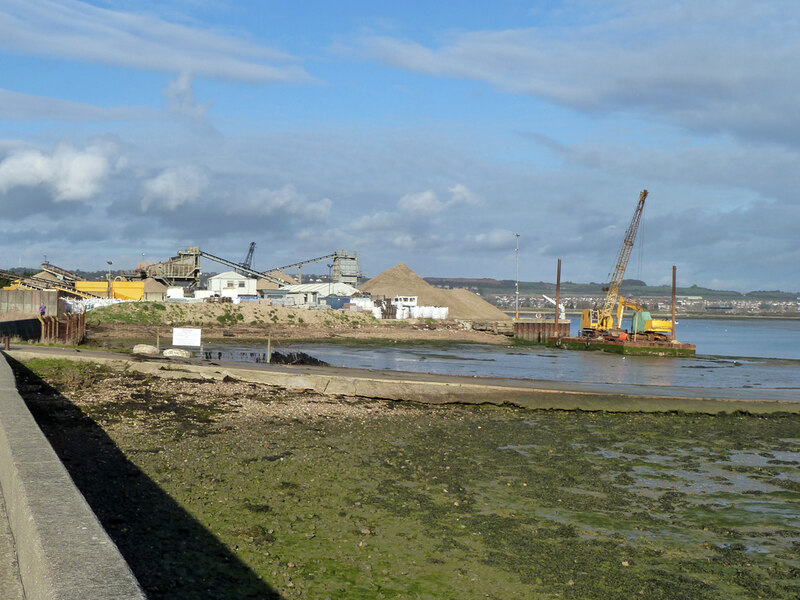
24	329
28	301
63	551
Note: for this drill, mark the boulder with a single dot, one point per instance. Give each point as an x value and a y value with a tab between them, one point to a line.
145	349
177	353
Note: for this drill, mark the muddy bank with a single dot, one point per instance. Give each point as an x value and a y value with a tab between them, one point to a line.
112	335
257	321
310	496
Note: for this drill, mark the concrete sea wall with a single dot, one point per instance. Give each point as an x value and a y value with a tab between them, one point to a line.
63	551
24	329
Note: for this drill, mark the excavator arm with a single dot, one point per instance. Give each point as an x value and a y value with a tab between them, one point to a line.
626	303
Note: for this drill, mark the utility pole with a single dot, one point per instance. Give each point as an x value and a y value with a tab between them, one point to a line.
516	280
674	298
558	295
109	278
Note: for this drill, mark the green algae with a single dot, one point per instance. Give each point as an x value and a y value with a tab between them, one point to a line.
475	502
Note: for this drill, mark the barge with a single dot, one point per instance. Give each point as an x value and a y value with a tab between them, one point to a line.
622	346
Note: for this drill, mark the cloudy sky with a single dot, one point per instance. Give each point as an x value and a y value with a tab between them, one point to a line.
420	132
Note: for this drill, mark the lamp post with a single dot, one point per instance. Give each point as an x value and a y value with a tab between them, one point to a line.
516	280
109	278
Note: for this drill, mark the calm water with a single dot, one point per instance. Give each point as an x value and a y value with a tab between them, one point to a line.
758	355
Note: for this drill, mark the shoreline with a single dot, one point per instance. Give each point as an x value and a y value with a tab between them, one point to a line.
693	316
436	389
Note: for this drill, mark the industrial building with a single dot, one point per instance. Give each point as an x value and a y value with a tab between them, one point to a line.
231	284
308	293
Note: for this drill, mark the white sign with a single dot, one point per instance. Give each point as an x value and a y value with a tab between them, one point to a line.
184	336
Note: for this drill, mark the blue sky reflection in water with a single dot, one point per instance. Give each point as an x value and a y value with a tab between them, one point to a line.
778	375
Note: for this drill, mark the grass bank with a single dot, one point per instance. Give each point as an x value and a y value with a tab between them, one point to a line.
239	490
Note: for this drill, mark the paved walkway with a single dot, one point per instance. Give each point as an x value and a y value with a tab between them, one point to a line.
10	583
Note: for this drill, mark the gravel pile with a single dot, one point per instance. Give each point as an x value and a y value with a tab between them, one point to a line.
463	304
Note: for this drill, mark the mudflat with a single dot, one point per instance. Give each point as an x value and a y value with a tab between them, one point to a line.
232	489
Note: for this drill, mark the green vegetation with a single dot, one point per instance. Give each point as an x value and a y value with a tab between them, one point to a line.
361	499
144	313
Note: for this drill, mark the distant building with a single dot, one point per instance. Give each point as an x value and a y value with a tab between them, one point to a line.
308	293
232	284
153	290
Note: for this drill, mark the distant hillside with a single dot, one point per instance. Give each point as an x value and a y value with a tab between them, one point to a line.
630	287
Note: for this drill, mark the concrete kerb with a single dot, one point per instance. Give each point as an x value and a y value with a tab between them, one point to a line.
63	551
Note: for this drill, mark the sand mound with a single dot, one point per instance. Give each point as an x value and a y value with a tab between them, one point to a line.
401	281
469	303
463	304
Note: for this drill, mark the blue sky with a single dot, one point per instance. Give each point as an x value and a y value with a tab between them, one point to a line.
425	133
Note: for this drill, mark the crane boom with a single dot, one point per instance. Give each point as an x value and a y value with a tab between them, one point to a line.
594	321
622	259
248	260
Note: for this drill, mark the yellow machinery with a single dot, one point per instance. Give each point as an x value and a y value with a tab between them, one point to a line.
642	322
19	282
595	322
124	290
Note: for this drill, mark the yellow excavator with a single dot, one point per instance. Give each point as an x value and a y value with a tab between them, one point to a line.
643	325
600	322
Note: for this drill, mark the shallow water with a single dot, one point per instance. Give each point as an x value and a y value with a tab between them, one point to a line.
763	360
773	378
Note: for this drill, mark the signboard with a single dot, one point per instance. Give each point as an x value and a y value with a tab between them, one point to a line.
185	336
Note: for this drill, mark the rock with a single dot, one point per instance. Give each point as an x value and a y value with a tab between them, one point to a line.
177	353
145	349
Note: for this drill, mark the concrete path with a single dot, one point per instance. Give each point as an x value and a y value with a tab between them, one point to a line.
10	581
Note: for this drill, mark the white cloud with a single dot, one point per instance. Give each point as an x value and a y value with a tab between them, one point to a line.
380	221
174	187
426	203
14	105
179	95
709	66
460	194
497	239
404	242
70	173
68	29
286	200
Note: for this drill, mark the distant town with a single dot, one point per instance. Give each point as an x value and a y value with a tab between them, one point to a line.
693	300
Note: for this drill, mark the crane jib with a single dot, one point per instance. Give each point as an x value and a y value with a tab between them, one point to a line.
622	261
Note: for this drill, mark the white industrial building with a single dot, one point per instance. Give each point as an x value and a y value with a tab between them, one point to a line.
232	284
309	293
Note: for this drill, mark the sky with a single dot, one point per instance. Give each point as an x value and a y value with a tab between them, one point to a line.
428	133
